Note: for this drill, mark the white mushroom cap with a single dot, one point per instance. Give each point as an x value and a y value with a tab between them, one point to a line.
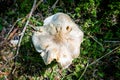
59	38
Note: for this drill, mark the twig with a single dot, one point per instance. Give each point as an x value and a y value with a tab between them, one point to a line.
12	34
88	65
38	4
22	18
97	61
104	56
55	4
24	29
84	71
112	41
32	27
12	28
3	66
23	32
96	41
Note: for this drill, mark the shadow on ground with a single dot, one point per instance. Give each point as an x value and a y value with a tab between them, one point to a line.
29	62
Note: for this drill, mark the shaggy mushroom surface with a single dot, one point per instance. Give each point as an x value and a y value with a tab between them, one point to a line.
59	38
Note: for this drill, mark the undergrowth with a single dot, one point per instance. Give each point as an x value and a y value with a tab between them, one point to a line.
100	22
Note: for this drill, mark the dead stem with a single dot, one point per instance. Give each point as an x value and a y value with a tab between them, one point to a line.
104	56
23	31
88	65
12	28
54	5
97	41
84	71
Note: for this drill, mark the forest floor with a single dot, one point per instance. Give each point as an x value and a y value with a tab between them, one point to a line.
99	57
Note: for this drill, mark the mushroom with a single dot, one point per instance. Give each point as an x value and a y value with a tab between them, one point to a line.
59	38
